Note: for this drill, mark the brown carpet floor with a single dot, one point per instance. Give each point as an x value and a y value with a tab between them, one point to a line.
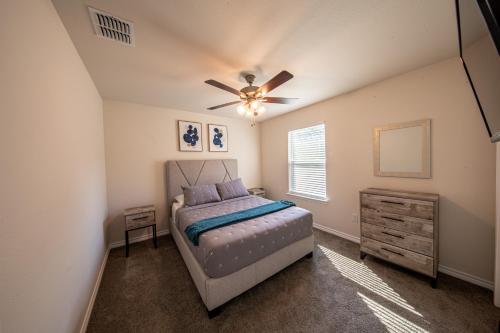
152	291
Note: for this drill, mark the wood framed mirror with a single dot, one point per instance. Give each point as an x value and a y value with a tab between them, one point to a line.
403	150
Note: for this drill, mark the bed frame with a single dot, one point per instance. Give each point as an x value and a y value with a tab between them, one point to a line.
216	291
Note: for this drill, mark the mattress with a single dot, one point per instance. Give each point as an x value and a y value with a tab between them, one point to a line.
226	250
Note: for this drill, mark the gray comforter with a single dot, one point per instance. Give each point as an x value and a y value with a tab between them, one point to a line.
225	250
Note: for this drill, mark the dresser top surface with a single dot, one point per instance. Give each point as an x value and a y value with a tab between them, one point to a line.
402	194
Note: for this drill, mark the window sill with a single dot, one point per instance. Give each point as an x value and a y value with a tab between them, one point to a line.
302	196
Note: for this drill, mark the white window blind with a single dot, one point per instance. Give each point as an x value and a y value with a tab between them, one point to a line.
307	162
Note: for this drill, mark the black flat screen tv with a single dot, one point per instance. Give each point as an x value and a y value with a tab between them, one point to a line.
479	41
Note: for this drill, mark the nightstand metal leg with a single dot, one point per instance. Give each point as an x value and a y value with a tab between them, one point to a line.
126	243
154	236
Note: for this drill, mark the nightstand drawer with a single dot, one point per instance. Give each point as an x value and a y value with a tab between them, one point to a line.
258	191
139	220
398	238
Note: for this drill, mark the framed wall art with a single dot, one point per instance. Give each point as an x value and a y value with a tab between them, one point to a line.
218	138
190	138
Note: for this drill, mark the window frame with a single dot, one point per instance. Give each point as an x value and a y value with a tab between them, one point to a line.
290	165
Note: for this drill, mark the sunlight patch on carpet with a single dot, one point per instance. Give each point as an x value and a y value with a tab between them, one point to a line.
394	322
362	275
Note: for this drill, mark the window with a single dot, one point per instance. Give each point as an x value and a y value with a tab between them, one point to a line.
307	162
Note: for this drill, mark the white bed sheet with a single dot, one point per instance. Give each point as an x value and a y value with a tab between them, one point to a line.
175	207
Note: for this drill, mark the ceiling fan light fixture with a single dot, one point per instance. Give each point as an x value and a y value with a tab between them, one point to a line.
241	109
255	105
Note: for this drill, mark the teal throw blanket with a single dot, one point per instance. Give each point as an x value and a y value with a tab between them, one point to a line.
194	230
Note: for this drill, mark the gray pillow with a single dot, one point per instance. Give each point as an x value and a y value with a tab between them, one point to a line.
232	189
200	194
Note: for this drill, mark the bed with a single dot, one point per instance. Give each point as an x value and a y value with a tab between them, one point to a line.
234	258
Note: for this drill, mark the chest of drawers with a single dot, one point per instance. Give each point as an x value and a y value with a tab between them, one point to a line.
402	228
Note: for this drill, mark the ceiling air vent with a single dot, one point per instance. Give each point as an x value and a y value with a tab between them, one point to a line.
111	27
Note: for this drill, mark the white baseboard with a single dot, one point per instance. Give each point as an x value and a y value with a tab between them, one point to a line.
337	233
139	238
90	306
443	269
466	277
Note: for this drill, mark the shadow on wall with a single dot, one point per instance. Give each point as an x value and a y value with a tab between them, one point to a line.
460	225
105	230
115	223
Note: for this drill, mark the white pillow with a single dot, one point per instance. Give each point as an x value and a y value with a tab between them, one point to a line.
180	199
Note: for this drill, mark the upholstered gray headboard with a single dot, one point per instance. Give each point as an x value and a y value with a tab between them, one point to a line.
197	172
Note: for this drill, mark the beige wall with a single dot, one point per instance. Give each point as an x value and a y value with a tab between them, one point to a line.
140	139
52	174
463	159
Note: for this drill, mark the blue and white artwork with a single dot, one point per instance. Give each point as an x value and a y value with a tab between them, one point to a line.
190	138
217	135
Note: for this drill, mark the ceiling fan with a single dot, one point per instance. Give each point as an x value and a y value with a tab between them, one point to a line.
252	97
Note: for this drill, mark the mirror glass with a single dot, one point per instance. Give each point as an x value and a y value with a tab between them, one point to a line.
403	150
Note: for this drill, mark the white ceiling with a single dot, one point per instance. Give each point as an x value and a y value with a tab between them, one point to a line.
331	46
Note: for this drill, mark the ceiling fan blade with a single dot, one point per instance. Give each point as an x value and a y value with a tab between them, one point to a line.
223	105
275	82
223	87
279	100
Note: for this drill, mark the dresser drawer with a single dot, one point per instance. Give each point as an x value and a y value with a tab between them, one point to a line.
413	225
405	258
401	206
139	220
398	238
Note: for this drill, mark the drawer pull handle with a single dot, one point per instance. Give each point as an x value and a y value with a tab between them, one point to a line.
392	202
395	252
392	218
140	218
393	235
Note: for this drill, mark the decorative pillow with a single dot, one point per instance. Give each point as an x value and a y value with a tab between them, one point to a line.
200	194
232	189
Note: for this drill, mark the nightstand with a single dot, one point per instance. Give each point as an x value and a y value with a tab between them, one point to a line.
138	218
258	191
